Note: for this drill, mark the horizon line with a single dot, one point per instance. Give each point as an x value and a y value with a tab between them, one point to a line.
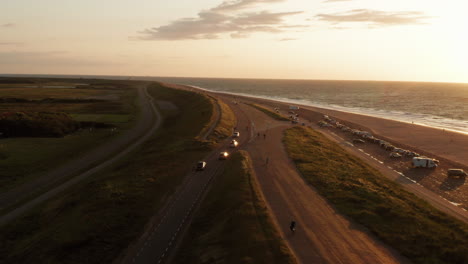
2	75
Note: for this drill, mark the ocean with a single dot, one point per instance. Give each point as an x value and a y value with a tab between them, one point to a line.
439	105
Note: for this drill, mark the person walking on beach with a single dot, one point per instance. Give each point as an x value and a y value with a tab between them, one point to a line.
264	136
267	160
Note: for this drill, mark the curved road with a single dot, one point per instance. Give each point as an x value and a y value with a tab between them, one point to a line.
165	230
104	155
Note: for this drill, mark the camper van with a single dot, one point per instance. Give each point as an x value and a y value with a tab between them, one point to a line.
424	162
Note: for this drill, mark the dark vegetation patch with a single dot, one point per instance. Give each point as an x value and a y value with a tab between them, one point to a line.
49	100
94	221
42	124
99	115
15	81
233	224
399	218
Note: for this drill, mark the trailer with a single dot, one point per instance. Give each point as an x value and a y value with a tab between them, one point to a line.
424	162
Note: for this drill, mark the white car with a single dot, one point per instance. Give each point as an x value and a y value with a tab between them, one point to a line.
236	134
223	155
201	165
234	144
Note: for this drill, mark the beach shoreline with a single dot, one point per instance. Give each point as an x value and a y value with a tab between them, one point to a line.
450	145
451	148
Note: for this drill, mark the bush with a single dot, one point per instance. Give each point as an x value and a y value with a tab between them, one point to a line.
37	124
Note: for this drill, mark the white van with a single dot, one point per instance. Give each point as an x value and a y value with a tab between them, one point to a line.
424	162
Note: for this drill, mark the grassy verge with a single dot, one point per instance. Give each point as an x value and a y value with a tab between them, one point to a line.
22	159
269	112
233	225
224	128
94	221
399	218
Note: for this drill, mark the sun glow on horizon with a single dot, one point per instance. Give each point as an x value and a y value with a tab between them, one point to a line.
401	40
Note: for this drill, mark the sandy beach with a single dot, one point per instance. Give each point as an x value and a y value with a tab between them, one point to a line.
449	147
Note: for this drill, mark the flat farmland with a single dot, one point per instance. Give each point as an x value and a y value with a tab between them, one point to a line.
24	158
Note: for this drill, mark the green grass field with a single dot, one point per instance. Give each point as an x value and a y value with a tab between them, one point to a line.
269	112
63	93
233	225
22	159
94	221
399	218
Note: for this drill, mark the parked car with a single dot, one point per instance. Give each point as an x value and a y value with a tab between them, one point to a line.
201	165
395	155
236	134
456	173
223	155
234	144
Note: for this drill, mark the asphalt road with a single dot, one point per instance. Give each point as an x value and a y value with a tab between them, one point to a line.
165	231
79	169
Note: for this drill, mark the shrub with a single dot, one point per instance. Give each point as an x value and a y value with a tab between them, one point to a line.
37	124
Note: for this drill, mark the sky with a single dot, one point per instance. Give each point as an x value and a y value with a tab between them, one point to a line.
398	40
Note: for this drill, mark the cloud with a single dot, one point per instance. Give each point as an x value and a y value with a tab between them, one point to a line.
375	17
228	18
8	25
287	39
228	6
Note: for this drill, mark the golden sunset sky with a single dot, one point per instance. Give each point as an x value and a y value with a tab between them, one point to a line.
401	40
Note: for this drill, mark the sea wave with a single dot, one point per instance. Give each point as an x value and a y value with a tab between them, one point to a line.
455	125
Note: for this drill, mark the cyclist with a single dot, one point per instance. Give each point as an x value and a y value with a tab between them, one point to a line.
292	226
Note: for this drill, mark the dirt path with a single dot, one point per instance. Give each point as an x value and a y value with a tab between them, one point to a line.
323	235
147	124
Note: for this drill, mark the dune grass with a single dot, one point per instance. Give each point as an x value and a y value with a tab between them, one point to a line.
270	113
233	224
94	221
225	127
399	218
